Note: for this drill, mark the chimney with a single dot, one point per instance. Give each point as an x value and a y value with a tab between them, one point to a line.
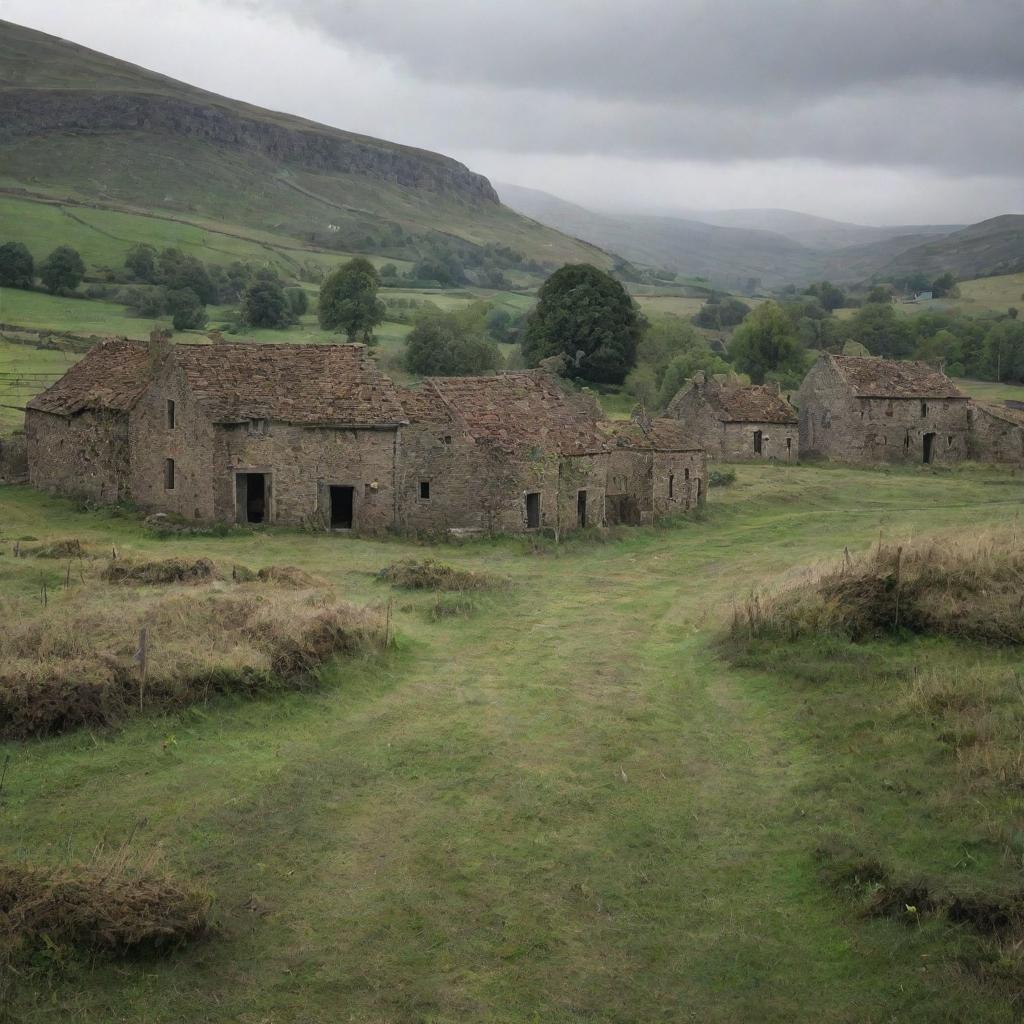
159	345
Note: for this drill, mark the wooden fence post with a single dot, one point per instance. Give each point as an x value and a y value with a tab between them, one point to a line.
140	660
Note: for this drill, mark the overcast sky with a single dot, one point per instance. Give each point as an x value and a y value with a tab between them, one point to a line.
877	111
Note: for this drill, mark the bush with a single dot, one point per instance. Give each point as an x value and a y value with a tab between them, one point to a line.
265	304
186	309
168	570
17	268
721	477
62	270
449	344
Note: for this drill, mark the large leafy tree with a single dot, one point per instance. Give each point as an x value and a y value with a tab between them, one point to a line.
348	300
265	304
766	343
882	330
587	315
140	262
178	272
450	344
62	270
186	309
17	268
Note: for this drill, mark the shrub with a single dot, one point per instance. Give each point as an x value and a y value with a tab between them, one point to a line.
430	575
452	606
62	270
17	268
721	477
168	570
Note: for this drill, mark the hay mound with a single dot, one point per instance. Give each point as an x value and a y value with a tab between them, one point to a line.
97	908
73	664
973	590
430	575
69	548
279	575
162	571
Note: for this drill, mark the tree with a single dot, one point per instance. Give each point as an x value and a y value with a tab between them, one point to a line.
880	293
587	315
186	309
177	272
449	344
682	368
298	300
882	330
141	263
17	268
62	270
766	343
717	314
827	294
945	285
348	300
265	304
1004	348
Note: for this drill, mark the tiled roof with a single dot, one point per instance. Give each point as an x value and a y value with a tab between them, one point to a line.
519	411
663	435
425	405
111	375
870	377
331	385
750	403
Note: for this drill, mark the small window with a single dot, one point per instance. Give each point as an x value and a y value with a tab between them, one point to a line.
888	407
949	441
686	474
671	485
924	409
447	438
169	474
826	418
260	427
757	442
425	490
170	413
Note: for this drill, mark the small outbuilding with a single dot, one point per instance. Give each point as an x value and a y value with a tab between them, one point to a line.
862	409
997	433
737	422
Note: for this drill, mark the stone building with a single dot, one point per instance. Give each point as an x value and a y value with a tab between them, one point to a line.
865	410
317	435
997	433
737	422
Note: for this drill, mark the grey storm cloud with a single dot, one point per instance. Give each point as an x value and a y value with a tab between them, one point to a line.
904	83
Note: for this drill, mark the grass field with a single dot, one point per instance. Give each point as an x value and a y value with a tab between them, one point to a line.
991	391
24	371
992	293
568	807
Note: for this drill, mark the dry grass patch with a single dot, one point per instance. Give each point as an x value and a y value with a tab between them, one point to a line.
107	905
280	575
73	663
410	574
70	547
161	571
967	589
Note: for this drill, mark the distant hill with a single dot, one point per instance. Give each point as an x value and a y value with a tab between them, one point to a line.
729	257
776	247
80	125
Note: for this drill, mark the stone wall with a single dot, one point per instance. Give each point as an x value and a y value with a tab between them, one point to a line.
85	455
13	460
995	437
836	424
644	486
780	441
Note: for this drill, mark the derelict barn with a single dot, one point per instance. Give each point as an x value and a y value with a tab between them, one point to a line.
863	409
737	422
317	435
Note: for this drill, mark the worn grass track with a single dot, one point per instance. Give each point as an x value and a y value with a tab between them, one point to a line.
567	807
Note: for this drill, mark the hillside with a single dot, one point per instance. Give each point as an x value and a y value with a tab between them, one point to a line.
776	247
77	125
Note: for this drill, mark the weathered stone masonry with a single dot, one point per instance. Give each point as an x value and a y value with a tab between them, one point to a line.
316	435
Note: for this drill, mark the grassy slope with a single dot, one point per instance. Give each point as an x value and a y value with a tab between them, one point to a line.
568	808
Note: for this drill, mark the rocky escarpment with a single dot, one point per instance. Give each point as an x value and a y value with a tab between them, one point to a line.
35	112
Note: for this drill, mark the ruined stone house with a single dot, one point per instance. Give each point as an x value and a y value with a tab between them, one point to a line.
737	422
997	433
317	435
863	409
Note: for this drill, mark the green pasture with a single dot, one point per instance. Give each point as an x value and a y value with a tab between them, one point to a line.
569	806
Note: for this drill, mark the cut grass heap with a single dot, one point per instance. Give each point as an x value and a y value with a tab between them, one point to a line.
163	571
410	574
98	907
971	590
73	663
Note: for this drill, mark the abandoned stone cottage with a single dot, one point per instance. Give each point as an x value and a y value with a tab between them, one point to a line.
997	433
317	435
737	422
863	409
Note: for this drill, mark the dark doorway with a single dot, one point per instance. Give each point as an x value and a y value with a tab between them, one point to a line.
757	442
251	497
929	448
341	507
581	509
533	510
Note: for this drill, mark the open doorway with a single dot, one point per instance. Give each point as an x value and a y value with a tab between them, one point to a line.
252	497
533	510
929	449
342	500
758	442
581	509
